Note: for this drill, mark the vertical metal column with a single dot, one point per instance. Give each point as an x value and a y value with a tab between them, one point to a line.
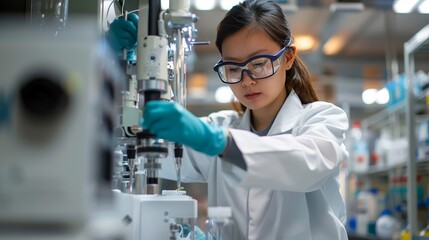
411	138
419	40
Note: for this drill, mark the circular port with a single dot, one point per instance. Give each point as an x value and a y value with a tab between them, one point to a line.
43	96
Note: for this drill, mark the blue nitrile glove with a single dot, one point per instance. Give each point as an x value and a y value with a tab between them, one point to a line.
123	34
199	234
170	121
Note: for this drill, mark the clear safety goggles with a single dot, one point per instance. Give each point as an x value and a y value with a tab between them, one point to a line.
257	67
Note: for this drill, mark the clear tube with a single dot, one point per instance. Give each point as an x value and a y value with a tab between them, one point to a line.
216	228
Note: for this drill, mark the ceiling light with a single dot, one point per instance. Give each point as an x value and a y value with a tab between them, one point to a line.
424	7
404	6
369	96
382	96
305	43
228	4
333	45
204	4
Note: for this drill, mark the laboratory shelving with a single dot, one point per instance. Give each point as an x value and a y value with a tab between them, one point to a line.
401	121
417	44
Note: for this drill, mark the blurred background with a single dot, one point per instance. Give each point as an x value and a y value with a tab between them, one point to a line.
348	48
356	54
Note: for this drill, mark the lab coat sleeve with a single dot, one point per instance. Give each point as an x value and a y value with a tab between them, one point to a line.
298	161
196	165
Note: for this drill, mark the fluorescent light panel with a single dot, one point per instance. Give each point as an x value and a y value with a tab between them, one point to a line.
228	4
204	4
405	6
424	7
347	7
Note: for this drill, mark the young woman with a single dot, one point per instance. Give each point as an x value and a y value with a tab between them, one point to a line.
277	164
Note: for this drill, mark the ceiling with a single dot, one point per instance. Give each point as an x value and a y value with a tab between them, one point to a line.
373	43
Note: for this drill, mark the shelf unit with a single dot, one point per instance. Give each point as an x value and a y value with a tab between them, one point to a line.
418	43
404	113
378	176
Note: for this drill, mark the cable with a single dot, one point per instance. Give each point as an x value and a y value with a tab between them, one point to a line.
108	9
123	5
180	233
135	10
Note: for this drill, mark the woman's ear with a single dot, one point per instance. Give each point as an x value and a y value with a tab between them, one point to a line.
290	54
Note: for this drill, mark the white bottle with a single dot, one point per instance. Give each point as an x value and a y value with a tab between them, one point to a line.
386	226
360	153
219	224
366	211
373	209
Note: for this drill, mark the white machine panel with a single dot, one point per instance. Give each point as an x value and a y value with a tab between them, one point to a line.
149	216
56	121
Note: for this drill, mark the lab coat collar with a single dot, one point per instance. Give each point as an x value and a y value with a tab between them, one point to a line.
286	118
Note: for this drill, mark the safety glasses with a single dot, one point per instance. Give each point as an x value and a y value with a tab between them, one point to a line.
257	67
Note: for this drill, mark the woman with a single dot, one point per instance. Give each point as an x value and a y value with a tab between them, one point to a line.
277	164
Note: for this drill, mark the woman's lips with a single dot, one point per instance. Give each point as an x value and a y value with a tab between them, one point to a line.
251	96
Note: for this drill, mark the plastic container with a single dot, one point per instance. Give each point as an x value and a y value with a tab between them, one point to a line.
219	224
366	211
405	233
387	227
360	153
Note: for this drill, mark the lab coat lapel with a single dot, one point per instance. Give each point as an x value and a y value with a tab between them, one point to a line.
245	121
287	116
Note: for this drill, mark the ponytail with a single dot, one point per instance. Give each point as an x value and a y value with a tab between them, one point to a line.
298	78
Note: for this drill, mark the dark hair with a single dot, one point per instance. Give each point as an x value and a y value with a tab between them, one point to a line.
269	16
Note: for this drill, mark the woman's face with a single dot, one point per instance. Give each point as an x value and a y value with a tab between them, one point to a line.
262	94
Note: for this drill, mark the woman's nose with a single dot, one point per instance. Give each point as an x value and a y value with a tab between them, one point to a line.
247	80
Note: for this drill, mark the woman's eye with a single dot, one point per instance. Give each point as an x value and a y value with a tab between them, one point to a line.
258	67
234	69
259	64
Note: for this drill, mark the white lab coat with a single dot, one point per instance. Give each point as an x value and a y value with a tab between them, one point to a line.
291	187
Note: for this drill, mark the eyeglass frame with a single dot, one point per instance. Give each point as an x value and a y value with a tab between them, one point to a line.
272	58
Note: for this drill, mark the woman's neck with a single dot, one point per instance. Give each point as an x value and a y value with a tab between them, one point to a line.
263	117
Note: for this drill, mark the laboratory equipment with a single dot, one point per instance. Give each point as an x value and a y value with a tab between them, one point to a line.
49	15
149	216
165	39
160	64
153	75
219	223
56	134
